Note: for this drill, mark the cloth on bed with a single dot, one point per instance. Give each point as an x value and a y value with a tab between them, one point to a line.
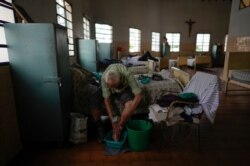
165	74
241	75
138	60
147	56
155	89
133	61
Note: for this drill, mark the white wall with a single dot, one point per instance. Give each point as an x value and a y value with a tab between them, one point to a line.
210	16
43	11
239	21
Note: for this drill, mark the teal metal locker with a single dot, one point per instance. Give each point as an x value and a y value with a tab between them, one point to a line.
88	54
39	61
105	51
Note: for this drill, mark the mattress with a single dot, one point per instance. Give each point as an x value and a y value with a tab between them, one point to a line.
191	62
241	75
155	89
138	70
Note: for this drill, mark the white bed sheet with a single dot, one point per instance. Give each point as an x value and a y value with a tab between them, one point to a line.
134	61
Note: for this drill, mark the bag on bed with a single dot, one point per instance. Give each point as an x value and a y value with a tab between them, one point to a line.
147	56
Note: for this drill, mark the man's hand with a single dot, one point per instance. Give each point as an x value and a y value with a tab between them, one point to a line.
116	131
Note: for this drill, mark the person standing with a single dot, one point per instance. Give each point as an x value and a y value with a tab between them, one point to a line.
165	48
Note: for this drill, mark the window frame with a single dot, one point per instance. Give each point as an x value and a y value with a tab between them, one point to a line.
172	43
68	24
4	46
155	43
102	40
86	36
137	44
209	43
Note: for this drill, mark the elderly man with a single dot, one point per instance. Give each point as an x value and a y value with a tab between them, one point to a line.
119	88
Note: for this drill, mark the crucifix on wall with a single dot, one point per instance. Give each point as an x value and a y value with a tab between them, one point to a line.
190	25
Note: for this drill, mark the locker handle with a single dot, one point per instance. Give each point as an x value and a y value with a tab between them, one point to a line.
52	79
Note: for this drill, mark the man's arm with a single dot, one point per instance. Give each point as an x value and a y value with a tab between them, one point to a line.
115	126
129	109
130	106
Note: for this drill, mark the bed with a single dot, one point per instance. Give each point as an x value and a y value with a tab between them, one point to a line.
133	61
237	69
199	60
122	56
130	59
180	62
138	70
172	84
155	89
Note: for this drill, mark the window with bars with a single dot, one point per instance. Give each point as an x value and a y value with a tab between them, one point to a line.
155	46
174	41
134	40
104	33
202	42
6	16
86	28
64	18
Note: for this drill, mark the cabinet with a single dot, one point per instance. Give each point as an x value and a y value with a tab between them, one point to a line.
39	62
91	53
217	55
88	54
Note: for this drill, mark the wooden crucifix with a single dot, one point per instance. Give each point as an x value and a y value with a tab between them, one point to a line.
190	24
